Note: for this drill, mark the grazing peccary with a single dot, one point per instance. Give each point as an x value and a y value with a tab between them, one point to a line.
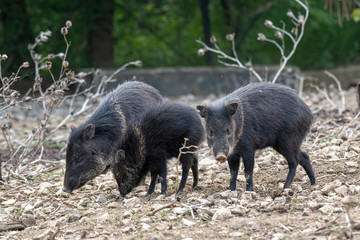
155	137
254	117
91	145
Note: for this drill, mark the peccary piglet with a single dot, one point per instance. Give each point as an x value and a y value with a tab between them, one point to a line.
155	137
91	145
254	117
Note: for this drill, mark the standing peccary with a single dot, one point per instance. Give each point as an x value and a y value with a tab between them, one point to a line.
155	137
254	117
91	145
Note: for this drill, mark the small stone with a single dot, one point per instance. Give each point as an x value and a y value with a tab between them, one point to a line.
236	234
103	217
239	225
306	212
113	205
354	189
180	210
8	202
278	236
222	214
221	176
125	222
351	164
28	220
128	229
101	199
144	227
132	202
326	209
60	222
255	226
127	214
188	222
327	188
48	234
145	220
84	220
73	218
342	190
207	161
238	211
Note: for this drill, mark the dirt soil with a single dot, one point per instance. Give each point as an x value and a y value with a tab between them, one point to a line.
38	208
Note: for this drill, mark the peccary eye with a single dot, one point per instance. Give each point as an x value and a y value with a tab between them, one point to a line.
228	132
211	133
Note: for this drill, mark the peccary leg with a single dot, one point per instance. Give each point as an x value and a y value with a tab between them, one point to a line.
234	163
162	174
248	159
195	171
292	163
186	161
304	161
154	175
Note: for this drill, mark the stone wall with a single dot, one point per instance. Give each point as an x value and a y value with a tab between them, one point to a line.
201	81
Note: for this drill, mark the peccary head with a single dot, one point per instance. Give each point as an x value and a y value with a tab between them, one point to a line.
129	161
87	156
220	127
124	174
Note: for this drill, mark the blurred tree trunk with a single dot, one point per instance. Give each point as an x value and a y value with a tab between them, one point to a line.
204	6
100	36
16	34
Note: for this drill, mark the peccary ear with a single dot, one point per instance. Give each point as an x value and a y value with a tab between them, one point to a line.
120	156
232	107
89	132
203	110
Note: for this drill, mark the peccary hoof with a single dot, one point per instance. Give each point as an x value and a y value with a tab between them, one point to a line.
1	179
122	195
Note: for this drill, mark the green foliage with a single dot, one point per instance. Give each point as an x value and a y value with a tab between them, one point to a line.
163	32
356	14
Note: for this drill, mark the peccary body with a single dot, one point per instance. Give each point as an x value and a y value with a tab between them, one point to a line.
155	137
91	145
254	117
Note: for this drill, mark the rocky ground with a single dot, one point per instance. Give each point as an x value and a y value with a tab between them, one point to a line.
39	209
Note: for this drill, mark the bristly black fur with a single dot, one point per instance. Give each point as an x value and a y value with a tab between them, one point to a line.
91	145
155	137
254	117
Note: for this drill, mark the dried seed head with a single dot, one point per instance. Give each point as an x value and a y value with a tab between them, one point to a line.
201	52
261	37
70	75
6	80
14	94
81	75
301	19
51	56
43	37
25	65
60	55
213	39
138	63
13	102
43	123
63	84
294	31
290	14
4	57
68	24
34	130
59	93
279	35
27	99
269	24
48	33
64	31
65	64
48	65
230	37
49	91
248	64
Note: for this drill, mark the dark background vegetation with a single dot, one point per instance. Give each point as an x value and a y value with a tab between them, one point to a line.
109	33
